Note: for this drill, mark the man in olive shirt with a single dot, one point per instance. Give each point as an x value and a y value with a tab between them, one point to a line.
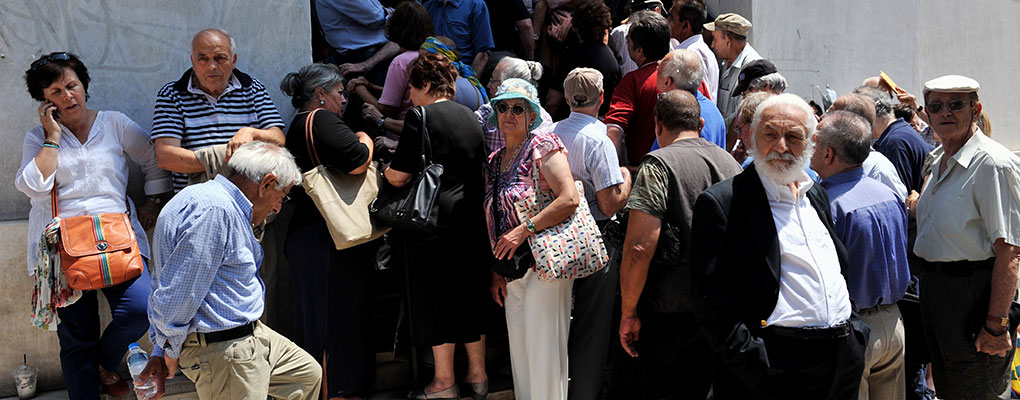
968	232
657	322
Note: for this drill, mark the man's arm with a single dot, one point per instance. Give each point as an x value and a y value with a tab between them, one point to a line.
638	249
527	36
1004	279
480	60
244	135
386	52
553	101
612	198
172	157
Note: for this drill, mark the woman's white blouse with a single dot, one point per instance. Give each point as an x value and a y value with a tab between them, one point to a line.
91	177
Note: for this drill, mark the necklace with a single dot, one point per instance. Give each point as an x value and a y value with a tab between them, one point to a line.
505	163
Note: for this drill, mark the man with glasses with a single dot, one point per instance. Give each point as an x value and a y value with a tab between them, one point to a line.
968	233
207	295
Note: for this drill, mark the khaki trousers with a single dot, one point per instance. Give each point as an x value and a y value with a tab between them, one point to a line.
252	367
883	377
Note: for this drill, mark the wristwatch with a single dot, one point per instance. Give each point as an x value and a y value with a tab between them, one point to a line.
1002	321
380	122
530	226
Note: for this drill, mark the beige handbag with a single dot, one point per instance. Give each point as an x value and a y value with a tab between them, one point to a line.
341	198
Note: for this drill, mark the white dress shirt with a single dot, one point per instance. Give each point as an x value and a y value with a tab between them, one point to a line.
812	291
92	177
696	43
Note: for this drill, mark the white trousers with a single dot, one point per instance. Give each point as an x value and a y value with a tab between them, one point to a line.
538	321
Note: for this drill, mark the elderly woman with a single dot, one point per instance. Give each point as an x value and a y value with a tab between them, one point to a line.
82	154
332	297
507	68
537	312
447	294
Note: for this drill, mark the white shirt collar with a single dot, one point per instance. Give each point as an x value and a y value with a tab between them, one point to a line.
782	193
691	41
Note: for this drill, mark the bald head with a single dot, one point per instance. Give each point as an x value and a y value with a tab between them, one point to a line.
213	60
680	69
857	104
872	81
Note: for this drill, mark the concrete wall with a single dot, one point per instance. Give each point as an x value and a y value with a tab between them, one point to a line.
841	43
132	48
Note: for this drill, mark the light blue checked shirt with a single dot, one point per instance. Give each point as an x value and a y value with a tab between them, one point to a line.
591	155
206	259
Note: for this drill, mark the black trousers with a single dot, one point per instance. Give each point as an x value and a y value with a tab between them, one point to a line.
591	328
802	369
673	362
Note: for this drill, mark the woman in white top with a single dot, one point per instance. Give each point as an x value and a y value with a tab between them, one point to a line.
84	153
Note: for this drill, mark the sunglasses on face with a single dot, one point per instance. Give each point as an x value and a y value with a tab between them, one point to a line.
517	109
49	58
952	105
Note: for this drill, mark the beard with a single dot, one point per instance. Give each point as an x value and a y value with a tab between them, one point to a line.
783	174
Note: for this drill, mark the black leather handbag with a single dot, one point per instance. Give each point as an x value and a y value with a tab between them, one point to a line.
412	207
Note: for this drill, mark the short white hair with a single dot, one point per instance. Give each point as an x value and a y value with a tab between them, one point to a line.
787	100
775	82
256	159
685	68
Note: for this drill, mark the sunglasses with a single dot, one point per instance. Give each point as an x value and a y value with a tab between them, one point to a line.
49	58
518	109
952	105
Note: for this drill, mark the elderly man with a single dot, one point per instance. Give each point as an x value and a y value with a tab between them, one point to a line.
686	22
657	323
871	221
876	166
896	139
629	120
968	233
767	272
729	40
212	103
681	69
207	296
593	161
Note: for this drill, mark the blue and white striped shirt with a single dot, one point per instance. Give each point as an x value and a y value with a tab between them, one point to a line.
205	265
591	155
199	120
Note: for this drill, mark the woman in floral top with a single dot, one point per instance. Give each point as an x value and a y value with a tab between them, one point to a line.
537	312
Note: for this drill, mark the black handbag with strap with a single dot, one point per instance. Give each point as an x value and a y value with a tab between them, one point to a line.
413	207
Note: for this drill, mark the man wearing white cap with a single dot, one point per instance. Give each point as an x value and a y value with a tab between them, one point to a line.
968	232
729	40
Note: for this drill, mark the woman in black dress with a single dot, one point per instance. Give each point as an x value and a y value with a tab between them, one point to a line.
448	271
331	288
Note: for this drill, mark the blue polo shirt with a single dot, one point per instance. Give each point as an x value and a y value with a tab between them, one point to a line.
466	22
870	220
714	130
906	149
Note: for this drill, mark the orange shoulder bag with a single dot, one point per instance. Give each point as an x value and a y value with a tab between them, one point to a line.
97	250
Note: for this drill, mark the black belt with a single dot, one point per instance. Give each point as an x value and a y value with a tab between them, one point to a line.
958	268
832	332
229	334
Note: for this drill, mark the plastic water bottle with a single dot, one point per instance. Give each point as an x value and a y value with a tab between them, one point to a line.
137	359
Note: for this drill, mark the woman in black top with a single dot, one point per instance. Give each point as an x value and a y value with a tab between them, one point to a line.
449	271
332	300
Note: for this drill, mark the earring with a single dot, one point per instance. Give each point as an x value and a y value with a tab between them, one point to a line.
321	102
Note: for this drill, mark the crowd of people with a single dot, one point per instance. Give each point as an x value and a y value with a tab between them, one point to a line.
760	246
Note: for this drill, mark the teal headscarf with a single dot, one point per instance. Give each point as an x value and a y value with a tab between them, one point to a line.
433	45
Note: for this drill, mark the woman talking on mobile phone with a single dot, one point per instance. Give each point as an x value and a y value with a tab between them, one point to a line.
83	154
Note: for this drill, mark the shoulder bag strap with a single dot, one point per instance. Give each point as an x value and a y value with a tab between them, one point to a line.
53	197
309	138
426	143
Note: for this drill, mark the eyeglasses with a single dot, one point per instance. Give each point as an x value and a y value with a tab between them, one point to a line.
49	58
517	109
952	105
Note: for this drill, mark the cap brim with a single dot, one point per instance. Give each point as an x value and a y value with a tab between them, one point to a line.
741	87
710	26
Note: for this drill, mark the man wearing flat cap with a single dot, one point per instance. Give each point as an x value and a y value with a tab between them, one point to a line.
729	40
968	233
593	162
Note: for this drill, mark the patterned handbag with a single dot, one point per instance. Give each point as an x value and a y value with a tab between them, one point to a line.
569	250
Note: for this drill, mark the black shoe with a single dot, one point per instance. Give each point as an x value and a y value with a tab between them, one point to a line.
479	390
450	393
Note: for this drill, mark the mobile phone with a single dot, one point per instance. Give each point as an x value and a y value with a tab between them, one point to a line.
56	116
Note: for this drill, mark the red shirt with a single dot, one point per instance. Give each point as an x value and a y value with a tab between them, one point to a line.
633	109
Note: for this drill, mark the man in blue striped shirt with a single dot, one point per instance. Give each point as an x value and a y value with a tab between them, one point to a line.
593	161
212	103
207	296
871	221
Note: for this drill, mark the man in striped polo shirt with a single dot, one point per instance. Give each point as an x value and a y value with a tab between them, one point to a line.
211	104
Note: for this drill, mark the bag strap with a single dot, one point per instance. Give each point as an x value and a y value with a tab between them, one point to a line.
426	143
309	138
53	198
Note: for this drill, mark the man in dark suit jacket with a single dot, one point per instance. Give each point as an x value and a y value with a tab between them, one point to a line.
767	272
